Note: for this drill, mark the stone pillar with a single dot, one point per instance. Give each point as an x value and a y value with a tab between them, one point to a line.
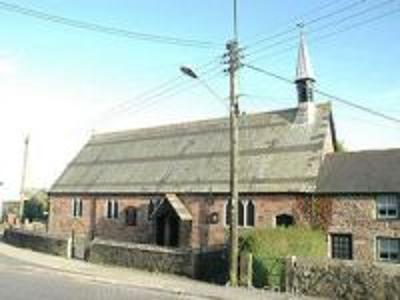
246	269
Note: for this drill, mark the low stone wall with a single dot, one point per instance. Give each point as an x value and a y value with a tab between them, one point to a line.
41	242
142	256
337	279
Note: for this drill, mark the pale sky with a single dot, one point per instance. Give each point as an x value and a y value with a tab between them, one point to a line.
58	83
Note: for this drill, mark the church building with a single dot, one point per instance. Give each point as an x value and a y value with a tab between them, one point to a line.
169	185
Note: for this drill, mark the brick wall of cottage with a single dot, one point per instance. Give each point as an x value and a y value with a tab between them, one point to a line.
204	233
356	215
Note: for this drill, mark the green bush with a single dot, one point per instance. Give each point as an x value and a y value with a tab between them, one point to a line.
270	246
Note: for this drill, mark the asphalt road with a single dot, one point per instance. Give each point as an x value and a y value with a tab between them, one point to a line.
22	281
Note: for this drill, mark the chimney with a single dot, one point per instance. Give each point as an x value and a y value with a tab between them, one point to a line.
305	80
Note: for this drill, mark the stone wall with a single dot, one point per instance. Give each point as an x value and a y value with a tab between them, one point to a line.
142	256
356	215
337	279
41	242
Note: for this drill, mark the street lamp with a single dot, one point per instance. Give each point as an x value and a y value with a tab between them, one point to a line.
233	107
188	71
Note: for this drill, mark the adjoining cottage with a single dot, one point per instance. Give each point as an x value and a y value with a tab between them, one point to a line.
362	190
169	185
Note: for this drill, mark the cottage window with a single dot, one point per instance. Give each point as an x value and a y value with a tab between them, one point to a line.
342	246
131	216
77	207
388	207
388	249
112	209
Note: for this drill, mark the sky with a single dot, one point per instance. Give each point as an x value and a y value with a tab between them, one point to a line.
61	84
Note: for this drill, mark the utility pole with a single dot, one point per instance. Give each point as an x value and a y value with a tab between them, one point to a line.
234	64
23	179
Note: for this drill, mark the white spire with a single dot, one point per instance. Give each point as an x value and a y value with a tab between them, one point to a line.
304	69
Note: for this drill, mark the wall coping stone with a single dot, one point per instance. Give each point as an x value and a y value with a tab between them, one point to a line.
141	247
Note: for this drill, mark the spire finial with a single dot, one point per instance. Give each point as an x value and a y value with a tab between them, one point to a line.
304	69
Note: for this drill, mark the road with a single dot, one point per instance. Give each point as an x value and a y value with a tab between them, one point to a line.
24	281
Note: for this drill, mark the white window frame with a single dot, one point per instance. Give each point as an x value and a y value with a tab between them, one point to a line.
245	203
394	247
226	204
114	206
387	202
76	207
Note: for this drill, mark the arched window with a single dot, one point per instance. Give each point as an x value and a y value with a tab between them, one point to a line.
150	209
111	209
250	214
77	207
241	213
227	213
284	220
131	216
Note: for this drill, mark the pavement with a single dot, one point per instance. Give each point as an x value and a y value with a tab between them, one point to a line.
25	274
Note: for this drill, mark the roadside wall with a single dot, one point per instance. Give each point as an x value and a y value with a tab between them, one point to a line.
41	242
337	279
141	256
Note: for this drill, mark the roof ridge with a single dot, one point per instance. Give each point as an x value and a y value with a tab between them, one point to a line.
200	122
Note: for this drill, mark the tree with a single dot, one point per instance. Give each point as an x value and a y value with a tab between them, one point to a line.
37	205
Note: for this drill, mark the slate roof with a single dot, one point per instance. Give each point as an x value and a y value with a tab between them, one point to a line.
376	171
276	155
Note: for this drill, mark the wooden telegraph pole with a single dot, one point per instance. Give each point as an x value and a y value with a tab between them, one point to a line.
23	179
234	64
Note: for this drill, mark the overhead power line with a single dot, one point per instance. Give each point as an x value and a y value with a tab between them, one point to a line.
84	25
153	95
328	95
294	20
334	23
332	33
294	27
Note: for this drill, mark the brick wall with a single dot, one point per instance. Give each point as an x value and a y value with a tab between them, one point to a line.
356	215
203	233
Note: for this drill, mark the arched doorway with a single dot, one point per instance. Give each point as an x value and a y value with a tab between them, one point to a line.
167	226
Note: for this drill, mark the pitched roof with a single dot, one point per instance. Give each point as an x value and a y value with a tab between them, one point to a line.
376	171
276	155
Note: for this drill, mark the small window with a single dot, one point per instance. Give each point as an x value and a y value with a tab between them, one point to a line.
131	216
284	220
112	209
250	214
388	207
388	249
77	207
342	246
